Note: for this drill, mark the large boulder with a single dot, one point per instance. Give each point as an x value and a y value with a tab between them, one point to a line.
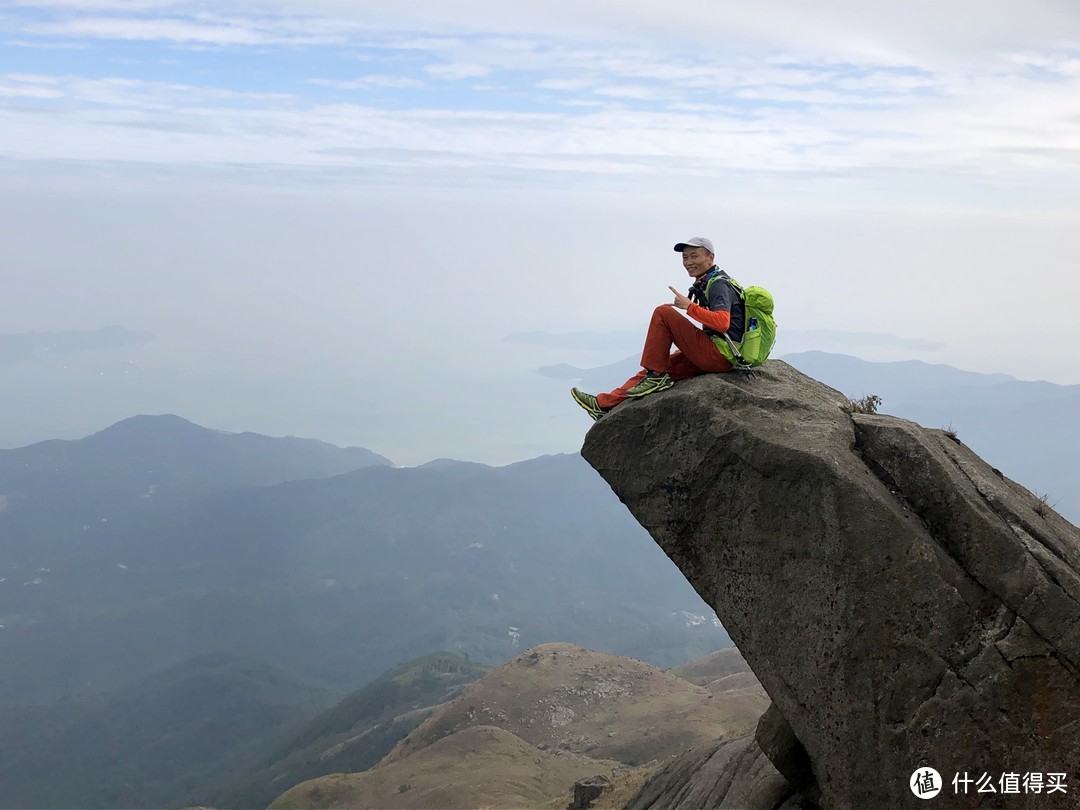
726	773
903	603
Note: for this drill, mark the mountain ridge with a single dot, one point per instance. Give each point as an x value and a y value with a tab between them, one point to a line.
461	557
147	434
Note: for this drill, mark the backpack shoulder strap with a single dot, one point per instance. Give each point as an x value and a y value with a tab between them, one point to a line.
717	275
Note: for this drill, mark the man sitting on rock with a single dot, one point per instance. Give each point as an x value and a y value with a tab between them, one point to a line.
712	302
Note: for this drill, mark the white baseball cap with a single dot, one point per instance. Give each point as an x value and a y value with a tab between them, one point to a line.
697	241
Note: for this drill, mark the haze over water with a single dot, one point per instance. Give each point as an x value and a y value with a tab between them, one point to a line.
331	214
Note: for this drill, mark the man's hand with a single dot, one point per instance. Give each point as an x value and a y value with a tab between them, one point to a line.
681	301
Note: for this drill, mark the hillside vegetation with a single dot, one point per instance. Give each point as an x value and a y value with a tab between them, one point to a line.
158	741
127	557
356	733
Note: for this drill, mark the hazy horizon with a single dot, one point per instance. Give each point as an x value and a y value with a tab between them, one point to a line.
215	390
332	214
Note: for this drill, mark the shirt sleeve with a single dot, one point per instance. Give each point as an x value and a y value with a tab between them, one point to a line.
718	316
718	320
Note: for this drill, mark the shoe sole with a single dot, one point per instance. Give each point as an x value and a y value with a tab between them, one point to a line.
653	390
596	413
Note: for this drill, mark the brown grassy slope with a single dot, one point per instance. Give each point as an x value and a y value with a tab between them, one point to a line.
565	697
627	783
712	666
478	767
741	683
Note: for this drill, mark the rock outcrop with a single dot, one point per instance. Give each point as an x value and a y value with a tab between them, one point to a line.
902	602
587	791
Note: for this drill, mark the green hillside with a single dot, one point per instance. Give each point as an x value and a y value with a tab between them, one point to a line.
356	733
338	579
158	742
109	585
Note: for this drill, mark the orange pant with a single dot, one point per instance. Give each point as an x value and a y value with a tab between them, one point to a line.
697	353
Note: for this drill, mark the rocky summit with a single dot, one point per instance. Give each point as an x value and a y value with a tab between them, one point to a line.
906	606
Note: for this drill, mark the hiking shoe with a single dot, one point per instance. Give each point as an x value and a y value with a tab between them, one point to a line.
650	385
589	403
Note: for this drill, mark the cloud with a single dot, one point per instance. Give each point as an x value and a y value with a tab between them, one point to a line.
1061	65
890	101
571	85
15	85
1016	131
95	6
45	45
366	82
629	91
189	31
458	70
837	30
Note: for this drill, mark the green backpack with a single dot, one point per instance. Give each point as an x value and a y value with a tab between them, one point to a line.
759	329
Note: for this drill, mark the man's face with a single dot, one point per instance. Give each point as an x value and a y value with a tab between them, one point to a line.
697	261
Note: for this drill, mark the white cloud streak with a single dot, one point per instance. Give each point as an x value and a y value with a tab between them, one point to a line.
458	70
16	85
371	81
123	120
179	30
856	91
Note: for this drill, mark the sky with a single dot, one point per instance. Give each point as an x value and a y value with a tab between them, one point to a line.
331	214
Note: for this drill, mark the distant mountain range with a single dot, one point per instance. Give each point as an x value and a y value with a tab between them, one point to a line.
163	573
52	493
157	564
156	541
791	340
1026	429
